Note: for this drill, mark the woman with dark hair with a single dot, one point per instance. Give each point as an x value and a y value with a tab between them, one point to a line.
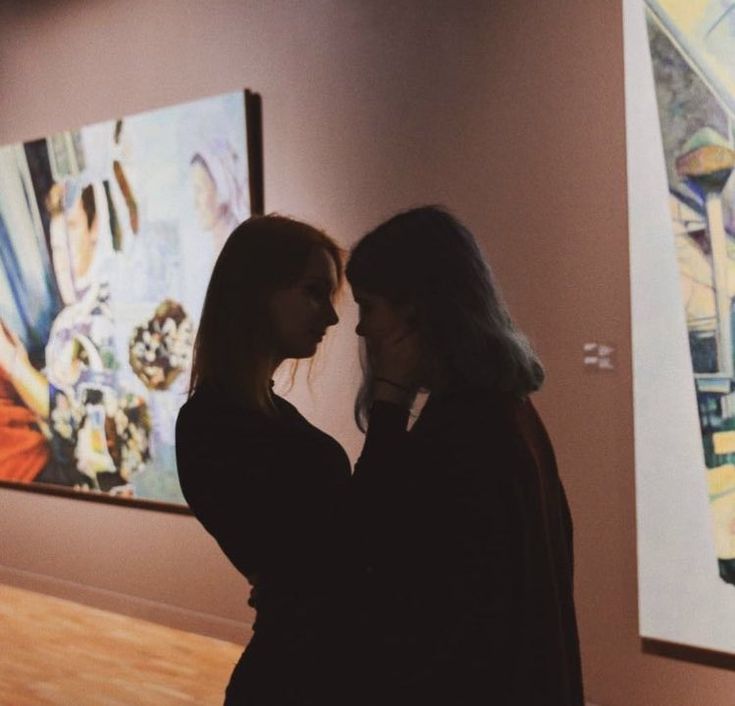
466	524
264	482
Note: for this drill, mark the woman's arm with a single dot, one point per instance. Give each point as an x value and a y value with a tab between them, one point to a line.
440	527
29	383
393	491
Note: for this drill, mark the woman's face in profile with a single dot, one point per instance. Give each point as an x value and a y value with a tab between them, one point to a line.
301	313
379	318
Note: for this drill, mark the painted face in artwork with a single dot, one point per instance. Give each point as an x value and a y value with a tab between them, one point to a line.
73	243
82	239
205	195
302	313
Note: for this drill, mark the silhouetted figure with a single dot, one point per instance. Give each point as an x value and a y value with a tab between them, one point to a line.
465	521
270	487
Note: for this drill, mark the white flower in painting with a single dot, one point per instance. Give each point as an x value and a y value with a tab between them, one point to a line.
169	327
161	348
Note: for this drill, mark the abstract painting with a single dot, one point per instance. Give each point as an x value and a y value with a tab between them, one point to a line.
108	235
680	110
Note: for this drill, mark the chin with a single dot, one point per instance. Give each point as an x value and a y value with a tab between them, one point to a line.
303	352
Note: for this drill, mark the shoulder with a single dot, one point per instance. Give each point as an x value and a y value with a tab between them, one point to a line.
196	409
209	412
214	436
288	410
474	412
481	428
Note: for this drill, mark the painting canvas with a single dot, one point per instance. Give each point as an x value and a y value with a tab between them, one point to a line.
680	105
108	235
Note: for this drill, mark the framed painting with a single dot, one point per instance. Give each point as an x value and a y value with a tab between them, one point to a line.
680	112
108	235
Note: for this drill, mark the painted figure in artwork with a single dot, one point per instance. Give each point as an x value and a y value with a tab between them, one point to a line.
98	433
219	193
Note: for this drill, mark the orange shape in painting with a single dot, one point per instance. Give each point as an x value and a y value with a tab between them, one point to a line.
23	448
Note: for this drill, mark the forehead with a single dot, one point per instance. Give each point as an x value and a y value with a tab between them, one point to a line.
320	265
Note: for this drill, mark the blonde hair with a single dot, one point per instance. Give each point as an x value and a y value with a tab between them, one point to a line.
233	346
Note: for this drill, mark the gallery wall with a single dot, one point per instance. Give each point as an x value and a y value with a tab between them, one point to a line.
511	114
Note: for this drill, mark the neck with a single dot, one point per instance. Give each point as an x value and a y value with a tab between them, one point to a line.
274	365
272	368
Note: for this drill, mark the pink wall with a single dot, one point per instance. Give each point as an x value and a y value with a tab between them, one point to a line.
510	113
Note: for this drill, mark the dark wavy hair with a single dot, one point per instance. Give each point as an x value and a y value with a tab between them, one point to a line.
234	342
426	259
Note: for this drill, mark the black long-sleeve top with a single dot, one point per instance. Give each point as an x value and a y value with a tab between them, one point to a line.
272	490
469	538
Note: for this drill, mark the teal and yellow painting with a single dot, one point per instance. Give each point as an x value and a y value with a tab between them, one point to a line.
692	48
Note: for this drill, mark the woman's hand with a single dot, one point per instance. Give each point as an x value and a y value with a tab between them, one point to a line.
29	383
396	362
12	350
396	357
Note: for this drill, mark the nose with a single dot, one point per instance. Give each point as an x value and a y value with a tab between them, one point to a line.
359	329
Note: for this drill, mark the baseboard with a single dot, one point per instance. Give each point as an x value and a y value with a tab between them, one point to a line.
134	606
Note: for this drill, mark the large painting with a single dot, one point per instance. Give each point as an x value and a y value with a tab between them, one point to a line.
108	235
680	95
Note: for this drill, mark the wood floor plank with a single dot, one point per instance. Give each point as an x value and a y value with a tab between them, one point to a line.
58	653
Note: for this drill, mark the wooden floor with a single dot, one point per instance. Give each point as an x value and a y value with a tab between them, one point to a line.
57	653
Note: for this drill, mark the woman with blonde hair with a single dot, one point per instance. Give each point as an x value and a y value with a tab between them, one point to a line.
266	484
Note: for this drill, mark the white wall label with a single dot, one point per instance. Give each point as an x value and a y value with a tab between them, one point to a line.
598	356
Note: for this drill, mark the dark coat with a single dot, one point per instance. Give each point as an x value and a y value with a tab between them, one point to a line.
469	541
273	492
